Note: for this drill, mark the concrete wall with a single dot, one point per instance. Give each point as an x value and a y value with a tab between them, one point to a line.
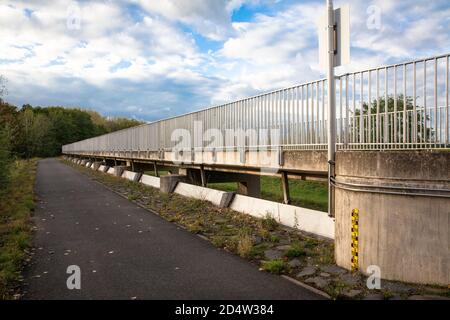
406	236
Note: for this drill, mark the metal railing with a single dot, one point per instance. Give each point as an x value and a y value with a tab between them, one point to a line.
416	115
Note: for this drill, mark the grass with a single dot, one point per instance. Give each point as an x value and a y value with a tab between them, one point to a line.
269	223
245	244
16	206
307	194
277	266
296	250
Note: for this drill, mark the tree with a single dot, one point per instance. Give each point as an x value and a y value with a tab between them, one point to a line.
415	129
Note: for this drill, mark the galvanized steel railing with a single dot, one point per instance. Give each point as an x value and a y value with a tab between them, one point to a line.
299	114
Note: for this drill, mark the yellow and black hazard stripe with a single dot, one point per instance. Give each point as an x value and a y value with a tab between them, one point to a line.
355	220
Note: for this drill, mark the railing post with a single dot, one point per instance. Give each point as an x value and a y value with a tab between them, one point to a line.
331	107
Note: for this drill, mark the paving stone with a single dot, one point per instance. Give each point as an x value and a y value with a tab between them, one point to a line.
284	247
257	240
283	241
318	282
352	293
307	271
333	269
427	297
294	263
374	296
396	286
273	254
350	279
324	275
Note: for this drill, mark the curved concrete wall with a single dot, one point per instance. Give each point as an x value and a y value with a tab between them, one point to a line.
407	236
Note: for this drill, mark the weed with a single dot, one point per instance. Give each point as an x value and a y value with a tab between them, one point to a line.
269	223
245	244
296	250
277	266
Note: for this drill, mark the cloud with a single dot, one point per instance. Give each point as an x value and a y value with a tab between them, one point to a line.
209	18
151	59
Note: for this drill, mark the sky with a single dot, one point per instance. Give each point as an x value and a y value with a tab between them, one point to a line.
152	59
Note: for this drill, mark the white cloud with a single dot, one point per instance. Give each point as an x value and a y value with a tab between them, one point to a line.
150	65
209	18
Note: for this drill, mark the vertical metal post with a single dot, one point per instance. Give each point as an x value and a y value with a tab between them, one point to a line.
331	107
285	184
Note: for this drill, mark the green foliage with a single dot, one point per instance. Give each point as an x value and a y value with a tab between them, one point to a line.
5	159
296	250
274	266
41	132
16	206
269	223
396	115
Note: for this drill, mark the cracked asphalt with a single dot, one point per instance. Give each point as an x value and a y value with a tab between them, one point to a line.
127	252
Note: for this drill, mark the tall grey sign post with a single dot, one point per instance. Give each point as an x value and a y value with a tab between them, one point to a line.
334	51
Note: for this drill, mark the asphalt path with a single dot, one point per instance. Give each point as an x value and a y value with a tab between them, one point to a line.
126	252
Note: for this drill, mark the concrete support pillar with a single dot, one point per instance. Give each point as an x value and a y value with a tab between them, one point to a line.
285	185
251	186
203	177
155	168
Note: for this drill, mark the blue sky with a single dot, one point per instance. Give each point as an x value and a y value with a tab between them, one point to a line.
155	59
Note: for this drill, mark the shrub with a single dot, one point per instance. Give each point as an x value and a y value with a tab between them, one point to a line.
274	266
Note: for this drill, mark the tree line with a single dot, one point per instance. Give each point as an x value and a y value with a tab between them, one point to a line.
29	131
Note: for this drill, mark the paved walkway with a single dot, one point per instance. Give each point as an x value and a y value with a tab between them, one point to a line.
126	252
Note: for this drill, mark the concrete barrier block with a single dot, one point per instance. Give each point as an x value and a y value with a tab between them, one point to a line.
133	176
137	177
227	199
311	221
150	181
111	171
96	165
102	168
201	193
119	170
169	183
130	175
